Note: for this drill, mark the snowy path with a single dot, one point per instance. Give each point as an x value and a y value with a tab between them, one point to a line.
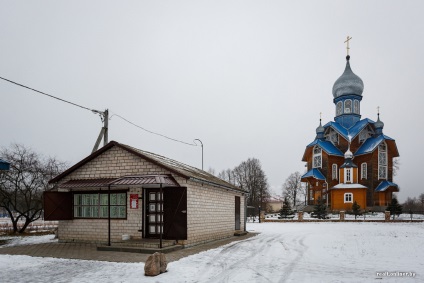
283	252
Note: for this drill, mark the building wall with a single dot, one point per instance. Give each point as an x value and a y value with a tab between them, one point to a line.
337	195
96	230
211	213
210	210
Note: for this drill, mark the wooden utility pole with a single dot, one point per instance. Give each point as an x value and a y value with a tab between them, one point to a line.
104	131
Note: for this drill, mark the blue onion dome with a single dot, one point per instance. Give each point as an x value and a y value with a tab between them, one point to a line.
320	129
348	83
379	124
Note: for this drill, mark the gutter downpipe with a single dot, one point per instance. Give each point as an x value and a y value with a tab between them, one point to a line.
161	216
108	216
245	212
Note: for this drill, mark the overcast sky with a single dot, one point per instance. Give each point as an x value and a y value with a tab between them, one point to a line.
248	78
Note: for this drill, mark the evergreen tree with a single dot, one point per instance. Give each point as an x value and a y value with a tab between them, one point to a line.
394	207
320	209
356	209
286	210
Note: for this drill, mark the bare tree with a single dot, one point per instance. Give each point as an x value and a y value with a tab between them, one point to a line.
250	176
21	188
228	176
211	171
292	187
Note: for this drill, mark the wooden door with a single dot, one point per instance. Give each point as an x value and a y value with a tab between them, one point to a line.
153	211
57	205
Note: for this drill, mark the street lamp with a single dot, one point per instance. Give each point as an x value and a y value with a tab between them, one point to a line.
202	148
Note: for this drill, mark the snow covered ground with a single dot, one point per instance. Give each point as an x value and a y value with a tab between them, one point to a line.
283	252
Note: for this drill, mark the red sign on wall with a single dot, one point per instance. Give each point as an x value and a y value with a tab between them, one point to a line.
133	201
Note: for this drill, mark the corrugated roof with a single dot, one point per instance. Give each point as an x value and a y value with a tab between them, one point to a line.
166	180
314	173
384	185
182	168
87	183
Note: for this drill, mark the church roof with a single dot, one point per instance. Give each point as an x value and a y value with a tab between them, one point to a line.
384	185
351	133
327	146
371	144
314	173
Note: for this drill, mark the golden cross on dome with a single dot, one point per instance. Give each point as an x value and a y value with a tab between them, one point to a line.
320	115
347	44
378	109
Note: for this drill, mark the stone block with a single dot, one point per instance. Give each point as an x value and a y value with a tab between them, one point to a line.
155	264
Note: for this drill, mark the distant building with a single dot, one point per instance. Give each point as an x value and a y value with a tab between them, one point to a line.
350	159
274	204
149	196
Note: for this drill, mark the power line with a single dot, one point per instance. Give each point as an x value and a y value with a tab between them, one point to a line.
97	112
63	100
151	132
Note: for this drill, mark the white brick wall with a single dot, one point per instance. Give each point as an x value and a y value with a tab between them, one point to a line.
210	210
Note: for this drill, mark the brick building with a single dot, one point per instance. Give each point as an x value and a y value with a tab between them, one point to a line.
350	159
148	196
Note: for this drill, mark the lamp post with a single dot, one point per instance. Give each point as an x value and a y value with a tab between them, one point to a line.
201	144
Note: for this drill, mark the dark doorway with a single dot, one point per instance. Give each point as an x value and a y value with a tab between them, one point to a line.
237	212
175	213
168	210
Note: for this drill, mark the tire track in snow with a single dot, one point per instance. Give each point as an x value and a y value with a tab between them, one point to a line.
253	257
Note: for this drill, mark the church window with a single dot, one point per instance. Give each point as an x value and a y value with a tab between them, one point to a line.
339	108
317	157
363	135
348	175
382	161
334	172
356	106
348	106
332	137
348	197
364	170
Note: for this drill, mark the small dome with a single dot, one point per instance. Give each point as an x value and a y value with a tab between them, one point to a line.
348	154
378	124
320	128
348	83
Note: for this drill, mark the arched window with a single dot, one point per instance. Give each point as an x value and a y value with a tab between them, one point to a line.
317	157
382	161
348	106
334	171
339	109
348	197
356	106
364	170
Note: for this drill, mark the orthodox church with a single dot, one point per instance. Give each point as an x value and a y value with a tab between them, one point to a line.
351	159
